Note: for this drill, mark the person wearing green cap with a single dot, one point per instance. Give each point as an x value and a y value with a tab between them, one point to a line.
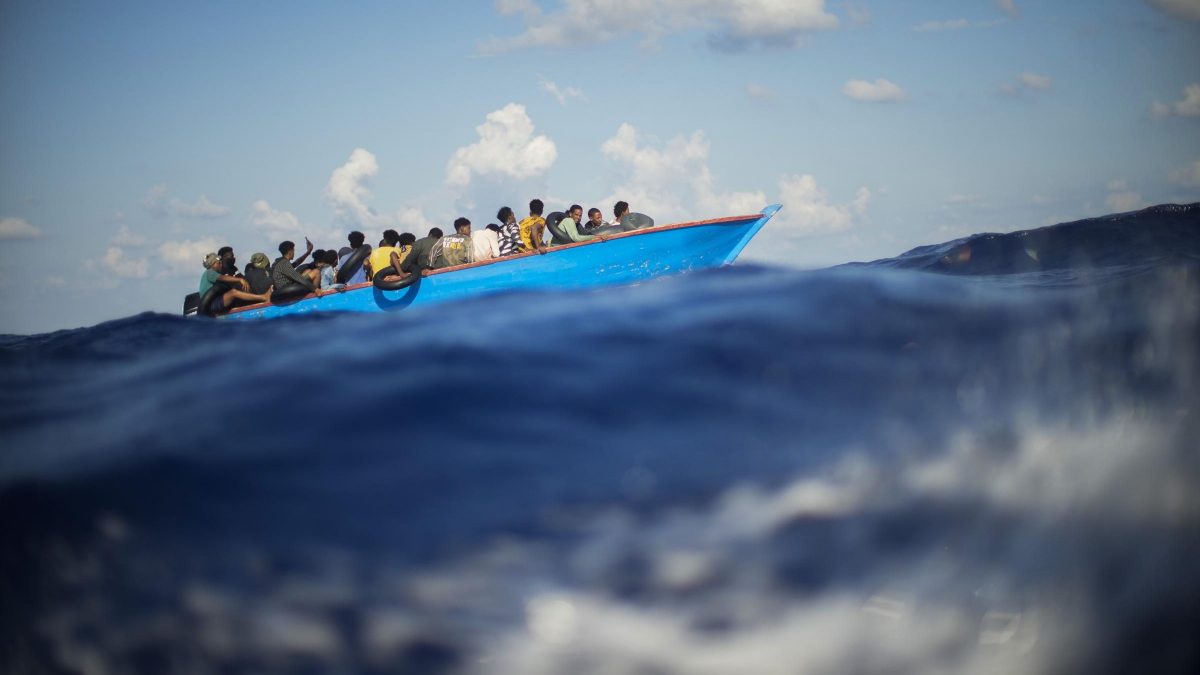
237	289
257	273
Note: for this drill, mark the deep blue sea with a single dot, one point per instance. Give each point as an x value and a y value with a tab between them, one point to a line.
980	456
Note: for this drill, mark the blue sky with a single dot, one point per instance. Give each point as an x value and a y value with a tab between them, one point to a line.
135	137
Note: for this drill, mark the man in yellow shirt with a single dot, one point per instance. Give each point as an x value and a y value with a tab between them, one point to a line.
533	229
382	256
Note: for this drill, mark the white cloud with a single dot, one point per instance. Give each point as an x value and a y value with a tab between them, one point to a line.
1188	106
274	223
759	92
124	267
186	258
859	15
347	189
127	237
879	91
561	94
158	203
729	23
1121	198
950	24
413	219
807	210
1189	10
672	182
18	228
506	148
1009	7
1027	81
1188	175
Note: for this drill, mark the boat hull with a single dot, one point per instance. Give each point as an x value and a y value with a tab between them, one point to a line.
619	259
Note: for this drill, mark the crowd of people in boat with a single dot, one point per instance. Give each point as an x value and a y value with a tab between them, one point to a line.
399	257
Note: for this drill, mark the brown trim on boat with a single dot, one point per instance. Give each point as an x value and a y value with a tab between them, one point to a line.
491	261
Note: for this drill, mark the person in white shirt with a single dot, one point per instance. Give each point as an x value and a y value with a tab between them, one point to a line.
486	242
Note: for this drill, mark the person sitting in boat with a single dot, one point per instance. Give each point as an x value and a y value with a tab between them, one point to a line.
284	274
418	258
487	242
628	219
327	265
570	225
509	236
357	240
382	257
256	273
454	249
533	229
238	289
228	261
595	219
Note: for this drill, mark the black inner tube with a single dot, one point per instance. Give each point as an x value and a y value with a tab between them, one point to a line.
556	233
395	284
208	297
290	292
353	263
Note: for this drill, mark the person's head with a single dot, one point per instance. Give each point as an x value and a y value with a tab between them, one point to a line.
287	249
620	209
505	215
595	216
407	239
382	243
436	233
331	257
391	237
576	212
228	260
356	239
211	259
535	207
462	226
493	227
260	261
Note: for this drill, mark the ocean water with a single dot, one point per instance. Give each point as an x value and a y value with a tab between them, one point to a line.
979	456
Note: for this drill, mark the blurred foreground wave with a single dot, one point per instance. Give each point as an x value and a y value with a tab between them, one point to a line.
978	456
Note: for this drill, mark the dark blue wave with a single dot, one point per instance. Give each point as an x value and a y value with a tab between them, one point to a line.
526	482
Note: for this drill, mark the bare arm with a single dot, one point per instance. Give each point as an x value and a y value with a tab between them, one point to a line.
299	261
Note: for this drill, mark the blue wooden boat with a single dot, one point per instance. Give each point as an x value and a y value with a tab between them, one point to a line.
623	258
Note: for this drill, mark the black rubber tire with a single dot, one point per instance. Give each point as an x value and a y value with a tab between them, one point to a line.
556	234
306	267
289	292
206	300
353	263
393	285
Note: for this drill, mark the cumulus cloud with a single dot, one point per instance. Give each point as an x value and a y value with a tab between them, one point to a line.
672	181
1008	7
347	190
413	219
507	148
18	228
1188	10
1027	81
879	91
949	24
127	237
728	23
1188	106
1121	198
560	94
123	266
759	92
1188	175
186	258
273	222
807	210
160	204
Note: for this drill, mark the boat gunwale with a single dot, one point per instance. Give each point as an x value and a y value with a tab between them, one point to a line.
599	239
